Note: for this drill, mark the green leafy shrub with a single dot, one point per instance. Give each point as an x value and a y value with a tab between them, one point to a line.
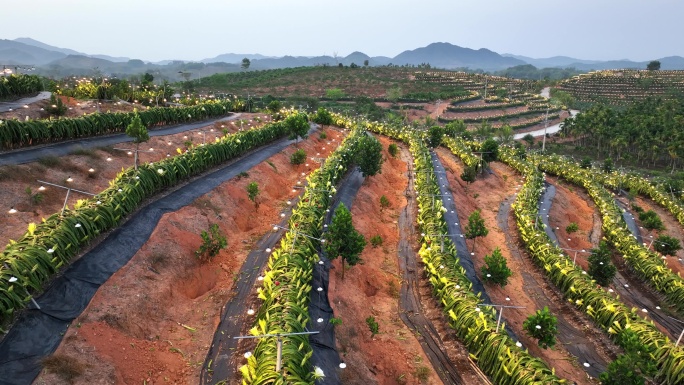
529	139
323	117
542	326
274	106
335	321
372	326
393	150
651	220
632	367
376	240
435	134
298	157
496	270
607	165
55	106
469	174
212	242
384	202
253	193
585	163
476	227
368	156
600	267
667	245
572	227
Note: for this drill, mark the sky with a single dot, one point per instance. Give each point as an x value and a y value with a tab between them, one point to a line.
154	30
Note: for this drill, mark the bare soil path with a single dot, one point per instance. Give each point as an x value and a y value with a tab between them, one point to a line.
451	362
395	355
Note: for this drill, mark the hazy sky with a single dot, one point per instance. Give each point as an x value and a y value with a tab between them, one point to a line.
194	30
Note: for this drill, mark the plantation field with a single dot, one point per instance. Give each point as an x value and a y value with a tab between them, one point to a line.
421	281
623	87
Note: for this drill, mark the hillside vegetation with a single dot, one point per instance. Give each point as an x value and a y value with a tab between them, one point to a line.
623	87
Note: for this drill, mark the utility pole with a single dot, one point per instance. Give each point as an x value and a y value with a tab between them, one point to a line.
546	124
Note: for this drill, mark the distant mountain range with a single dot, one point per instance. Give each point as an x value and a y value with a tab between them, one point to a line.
57	62
666	63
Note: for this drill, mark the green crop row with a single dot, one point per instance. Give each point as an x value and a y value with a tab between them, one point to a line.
495	353
648	265
19	85
286	281
46	247
607	311
16	133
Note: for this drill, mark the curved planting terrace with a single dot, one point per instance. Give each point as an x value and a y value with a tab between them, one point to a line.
16	134
48	246
521	111
527	286
607	311
619	87
646	263
495	353
286	282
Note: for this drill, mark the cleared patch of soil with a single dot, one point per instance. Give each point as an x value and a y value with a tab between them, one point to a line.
153	320
572	205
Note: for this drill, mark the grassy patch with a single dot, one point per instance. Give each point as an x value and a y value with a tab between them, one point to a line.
422	373
205	203
65	367
10	172
159	260
89	152
49	161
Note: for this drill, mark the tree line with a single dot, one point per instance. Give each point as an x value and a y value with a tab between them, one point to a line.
649	132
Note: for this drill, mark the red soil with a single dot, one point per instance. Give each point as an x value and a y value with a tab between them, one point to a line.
153	321
372	288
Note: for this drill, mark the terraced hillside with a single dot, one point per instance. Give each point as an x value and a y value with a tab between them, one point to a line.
620	87
518	110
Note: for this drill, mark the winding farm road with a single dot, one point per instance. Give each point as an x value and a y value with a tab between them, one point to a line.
7	106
